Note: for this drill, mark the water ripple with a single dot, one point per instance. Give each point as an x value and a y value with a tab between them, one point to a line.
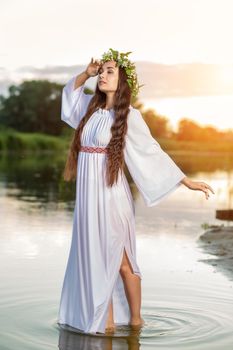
176	327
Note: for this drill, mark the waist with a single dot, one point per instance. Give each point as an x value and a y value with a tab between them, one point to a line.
93	149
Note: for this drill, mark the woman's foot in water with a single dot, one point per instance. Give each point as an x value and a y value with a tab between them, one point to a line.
137	322
110	327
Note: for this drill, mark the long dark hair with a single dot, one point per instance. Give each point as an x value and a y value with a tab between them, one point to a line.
115	156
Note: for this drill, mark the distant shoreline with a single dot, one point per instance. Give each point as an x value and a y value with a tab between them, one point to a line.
15	141
12	140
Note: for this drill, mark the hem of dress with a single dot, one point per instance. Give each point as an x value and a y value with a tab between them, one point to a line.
67	326
107	300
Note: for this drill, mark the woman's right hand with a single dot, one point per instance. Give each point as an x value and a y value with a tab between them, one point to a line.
93	67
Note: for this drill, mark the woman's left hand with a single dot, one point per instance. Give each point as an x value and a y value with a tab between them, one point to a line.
200	186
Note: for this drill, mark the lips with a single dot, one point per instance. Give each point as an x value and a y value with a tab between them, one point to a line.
102	82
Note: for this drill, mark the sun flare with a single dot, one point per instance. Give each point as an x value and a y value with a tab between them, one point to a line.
226	75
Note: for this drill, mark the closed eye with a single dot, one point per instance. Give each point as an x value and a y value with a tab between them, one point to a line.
110	71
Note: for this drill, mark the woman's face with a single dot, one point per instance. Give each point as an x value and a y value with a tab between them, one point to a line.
108	77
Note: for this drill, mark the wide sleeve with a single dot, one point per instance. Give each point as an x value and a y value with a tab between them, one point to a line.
74	103
153	171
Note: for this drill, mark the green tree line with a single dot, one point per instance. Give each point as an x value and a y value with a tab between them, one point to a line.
32	106
35	106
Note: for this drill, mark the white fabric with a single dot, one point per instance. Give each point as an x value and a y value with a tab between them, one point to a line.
104	217
153	171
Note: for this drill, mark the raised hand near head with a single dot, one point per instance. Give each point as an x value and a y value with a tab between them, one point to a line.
93	67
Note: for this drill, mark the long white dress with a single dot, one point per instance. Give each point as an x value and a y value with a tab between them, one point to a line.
104	217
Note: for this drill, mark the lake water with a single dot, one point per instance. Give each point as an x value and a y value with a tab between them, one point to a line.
186	302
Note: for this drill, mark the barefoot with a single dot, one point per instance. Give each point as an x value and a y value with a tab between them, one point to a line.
110	327
139	322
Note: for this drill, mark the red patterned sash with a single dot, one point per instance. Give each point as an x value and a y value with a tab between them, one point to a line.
93	149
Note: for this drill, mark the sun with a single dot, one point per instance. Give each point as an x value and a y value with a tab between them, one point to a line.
226	75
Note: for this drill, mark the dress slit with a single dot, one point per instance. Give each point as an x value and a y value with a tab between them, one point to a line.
110	296
128	259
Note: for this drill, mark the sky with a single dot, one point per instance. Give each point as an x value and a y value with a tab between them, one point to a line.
46	34
39	32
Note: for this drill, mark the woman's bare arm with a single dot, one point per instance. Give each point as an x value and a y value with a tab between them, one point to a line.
80	79
91	71
197	185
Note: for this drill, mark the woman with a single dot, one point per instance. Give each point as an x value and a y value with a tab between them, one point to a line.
102	283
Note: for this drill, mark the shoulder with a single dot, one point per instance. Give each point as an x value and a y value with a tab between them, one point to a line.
136	124
134	113
135	116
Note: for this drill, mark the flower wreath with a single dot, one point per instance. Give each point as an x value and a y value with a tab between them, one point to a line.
122	60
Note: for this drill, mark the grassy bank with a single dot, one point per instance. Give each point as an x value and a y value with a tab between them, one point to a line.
14	141
11	141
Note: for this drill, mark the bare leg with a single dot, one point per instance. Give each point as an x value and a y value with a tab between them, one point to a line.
132	286
110	321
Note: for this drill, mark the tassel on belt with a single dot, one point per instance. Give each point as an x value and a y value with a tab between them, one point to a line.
93	149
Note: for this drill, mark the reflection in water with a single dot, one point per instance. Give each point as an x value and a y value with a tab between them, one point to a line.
71	340
38	178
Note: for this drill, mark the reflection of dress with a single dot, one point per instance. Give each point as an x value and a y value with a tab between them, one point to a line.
104	217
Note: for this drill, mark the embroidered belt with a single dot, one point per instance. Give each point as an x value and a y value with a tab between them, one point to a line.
93	149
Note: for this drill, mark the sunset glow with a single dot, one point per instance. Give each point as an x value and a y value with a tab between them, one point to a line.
35	41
